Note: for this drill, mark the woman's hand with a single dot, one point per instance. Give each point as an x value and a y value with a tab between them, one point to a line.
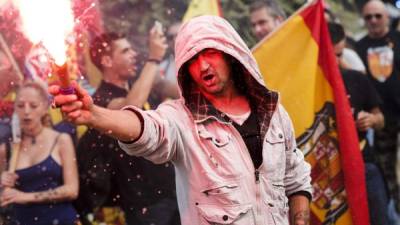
12	195
8	179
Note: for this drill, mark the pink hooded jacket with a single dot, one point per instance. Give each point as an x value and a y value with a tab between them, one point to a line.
215	178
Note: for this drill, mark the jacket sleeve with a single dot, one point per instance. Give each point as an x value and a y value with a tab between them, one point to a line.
298	171
160	137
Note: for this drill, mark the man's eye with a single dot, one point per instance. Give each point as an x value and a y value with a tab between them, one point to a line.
190	61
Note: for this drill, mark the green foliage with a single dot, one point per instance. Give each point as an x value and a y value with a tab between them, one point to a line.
135	17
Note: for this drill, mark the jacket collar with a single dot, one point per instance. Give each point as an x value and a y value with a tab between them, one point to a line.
262	100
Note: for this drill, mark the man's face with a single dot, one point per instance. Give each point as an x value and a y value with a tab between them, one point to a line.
211	72
123	58
376	18
262	23
338	48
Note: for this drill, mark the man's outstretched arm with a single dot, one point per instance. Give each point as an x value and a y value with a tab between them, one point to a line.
78	108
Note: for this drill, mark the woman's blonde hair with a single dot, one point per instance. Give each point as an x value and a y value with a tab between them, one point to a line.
44	95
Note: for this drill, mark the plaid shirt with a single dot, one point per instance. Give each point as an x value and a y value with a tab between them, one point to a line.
262	99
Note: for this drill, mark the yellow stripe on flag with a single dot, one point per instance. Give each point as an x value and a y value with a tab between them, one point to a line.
293	70
202	7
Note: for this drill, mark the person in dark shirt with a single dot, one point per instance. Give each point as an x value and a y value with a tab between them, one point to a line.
365	104
145	192
380	51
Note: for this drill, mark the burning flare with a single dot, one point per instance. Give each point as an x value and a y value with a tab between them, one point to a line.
49	22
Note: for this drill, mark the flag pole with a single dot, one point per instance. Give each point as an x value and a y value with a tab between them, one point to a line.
9	55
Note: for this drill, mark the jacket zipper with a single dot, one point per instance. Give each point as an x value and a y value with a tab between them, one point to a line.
258	197
257	174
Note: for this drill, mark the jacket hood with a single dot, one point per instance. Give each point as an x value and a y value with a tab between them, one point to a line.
214	32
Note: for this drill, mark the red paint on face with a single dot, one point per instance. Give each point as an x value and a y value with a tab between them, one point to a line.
211	72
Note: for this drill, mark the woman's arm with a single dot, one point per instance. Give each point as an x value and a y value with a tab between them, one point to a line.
67	191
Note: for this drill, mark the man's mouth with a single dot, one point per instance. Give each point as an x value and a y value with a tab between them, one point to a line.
208	77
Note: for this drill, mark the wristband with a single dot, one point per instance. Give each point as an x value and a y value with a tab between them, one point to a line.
152	60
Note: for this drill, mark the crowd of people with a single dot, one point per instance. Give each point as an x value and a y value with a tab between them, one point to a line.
199	139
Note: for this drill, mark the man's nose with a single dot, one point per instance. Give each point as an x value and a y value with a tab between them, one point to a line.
133	53
204	65
257	28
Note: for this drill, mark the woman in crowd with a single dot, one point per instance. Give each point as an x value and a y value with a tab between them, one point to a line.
46	179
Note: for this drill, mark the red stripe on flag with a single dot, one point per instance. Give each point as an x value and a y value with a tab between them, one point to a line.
351	158
220	12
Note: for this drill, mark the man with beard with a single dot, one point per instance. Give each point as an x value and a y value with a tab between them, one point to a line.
231	141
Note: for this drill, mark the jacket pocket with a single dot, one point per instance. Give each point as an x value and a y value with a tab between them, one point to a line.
274	157
219	140
226	214
225	192
277	204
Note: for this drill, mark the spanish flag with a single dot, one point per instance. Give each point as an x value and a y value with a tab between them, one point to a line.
298	61
202	7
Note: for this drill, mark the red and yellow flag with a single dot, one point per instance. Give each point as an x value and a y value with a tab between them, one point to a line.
298	60
202	7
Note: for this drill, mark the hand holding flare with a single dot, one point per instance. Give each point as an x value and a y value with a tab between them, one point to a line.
63	76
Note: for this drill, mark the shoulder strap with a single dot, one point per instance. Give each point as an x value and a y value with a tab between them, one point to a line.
54	143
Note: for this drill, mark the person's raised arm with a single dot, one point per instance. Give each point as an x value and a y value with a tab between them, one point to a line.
140	90
78	108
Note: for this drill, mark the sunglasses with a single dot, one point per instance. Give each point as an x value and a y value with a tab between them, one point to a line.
370	16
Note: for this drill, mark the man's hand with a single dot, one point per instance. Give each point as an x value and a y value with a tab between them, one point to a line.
157	44
77	107
365	121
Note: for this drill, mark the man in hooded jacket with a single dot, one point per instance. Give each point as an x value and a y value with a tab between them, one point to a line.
230	140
